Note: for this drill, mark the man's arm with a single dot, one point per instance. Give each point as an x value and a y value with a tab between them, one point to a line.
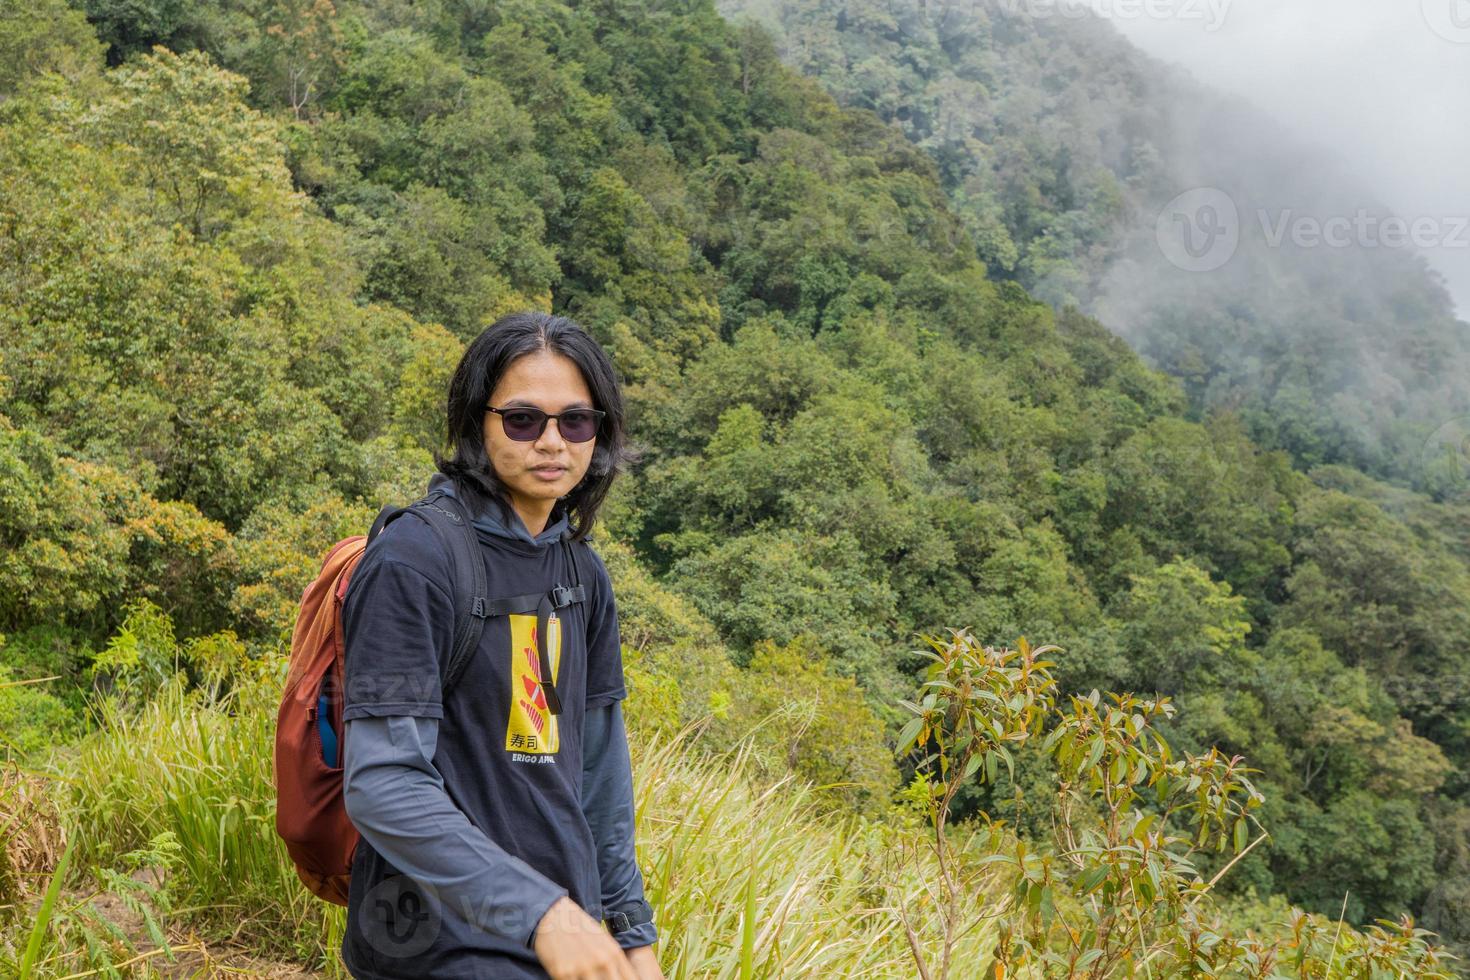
607	802
396	799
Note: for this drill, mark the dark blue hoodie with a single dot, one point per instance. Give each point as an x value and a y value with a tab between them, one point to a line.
479	811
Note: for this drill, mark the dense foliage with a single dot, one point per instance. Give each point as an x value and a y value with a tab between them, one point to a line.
1059	145
236	269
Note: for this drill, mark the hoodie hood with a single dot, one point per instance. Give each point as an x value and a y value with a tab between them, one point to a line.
499	522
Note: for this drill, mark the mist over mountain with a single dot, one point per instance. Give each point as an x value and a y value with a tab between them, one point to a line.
1090	171
1380	85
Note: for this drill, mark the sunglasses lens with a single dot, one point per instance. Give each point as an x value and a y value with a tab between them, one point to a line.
578	426
523	426
527	424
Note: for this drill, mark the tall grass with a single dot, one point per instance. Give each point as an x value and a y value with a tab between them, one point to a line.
747	880
757	881
197	764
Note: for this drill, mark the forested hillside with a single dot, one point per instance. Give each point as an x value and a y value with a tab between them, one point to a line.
1060	145
243	246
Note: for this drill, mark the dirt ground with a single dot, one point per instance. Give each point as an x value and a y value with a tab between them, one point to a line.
193	958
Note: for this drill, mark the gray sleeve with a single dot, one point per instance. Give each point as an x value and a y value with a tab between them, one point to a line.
607	802
396	799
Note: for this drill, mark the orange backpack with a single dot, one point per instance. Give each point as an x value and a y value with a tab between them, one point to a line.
311	816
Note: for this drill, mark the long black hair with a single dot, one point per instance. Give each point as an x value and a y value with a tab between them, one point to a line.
486	359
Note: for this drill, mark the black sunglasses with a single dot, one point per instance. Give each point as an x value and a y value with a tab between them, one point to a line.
527	424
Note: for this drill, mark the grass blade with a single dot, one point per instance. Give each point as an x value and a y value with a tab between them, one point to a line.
43	917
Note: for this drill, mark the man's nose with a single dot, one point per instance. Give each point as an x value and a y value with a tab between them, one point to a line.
551	435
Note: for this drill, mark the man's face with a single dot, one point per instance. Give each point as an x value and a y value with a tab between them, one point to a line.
552	383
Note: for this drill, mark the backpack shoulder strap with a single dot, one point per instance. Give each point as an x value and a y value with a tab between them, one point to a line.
548	602
575	551
381	521
451	522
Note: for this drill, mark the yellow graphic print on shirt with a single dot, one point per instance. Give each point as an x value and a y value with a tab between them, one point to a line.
531	728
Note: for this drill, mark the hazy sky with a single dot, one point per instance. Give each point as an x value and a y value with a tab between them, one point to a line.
1384	84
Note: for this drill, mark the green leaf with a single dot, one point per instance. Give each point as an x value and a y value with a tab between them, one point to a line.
909	734
747	927
43	916
994	859
1140	829
1145	890
1033	897
1095	753
1051	739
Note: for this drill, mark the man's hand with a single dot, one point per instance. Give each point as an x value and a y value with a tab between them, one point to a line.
572	945
644	963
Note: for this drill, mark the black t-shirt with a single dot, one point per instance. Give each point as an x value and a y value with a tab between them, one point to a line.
511	766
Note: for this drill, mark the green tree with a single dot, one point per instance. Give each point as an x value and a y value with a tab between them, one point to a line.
45	38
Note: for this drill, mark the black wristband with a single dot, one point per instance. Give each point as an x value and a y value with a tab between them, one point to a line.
627	916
